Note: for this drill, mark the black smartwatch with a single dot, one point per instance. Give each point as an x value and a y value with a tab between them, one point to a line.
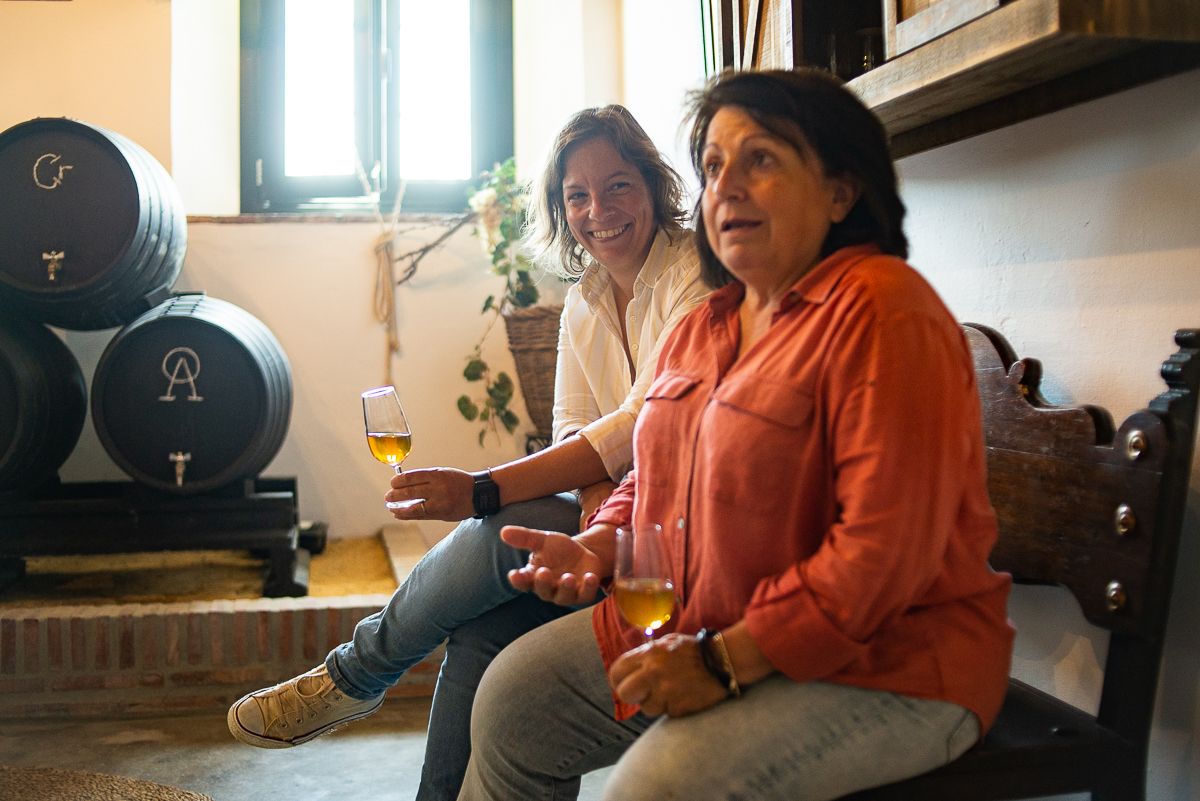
485	495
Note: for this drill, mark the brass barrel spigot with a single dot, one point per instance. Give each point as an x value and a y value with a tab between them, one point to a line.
180	459
53	261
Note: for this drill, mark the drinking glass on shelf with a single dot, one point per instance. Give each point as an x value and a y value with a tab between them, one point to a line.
388	433
642	582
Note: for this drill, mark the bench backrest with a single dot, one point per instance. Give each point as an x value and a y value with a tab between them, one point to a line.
1093	508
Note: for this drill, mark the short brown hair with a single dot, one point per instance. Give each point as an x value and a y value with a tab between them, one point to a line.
813	110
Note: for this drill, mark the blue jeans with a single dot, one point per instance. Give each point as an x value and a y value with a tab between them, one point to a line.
544	717
469	651
459	580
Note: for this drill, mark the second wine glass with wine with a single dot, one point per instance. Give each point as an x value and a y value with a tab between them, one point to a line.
642	581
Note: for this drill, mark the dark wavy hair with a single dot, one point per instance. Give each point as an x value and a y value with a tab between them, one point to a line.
813	111
546	231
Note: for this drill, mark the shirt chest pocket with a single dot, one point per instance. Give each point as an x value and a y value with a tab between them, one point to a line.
773	403
666	426
758	442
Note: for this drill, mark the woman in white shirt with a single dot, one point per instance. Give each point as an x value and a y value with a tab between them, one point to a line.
608	210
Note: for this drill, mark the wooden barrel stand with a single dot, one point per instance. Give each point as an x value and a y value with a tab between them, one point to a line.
258	515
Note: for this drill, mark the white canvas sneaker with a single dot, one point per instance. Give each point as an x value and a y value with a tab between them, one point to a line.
295	711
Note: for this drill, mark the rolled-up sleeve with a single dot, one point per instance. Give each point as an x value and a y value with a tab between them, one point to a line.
617	509
611	436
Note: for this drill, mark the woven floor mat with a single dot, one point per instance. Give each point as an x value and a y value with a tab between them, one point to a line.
52	784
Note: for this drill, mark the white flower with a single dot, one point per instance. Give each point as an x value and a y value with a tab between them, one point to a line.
483	199
487	227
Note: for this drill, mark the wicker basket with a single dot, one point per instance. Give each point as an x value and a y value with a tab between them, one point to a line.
533	340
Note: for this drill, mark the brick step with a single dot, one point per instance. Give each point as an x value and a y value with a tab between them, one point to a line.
150	659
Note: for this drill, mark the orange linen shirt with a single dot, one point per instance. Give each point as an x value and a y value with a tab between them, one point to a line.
829	487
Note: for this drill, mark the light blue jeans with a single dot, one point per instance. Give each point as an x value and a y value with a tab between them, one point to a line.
449	594
544	716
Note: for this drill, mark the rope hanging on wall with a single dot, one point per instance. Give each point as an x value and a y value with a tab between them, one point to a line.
386	261
385	275
385	299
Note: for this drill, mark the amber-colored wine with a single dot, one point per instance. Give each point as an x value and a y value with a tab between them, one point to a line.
646	602
389	448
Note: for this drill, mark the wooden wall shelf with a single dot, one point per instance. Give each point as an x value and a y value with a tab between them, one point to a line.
1013	62
1032	56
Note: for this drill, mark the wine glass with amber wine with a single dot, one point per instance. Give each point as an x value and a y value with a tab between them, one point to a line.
388	433
642	582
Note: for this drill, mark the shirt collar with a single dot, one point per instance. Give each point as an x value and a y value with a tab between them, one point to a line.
815	286
594	282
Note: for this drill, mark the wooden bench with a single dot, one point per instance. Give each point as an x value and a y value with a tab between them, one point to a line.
1100	512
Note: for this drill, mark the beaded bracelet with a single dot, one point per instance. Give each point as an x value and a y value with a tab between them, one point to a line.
717	661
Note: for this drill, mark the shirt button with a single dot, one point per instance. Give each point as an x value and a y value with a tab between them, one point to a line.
679	524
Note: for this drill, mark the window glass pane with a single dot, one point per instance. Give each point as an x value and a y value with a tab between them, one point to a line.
319	88
434	130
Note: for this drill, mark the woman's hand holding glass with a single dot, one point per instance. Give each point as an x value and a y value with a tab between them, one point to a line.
665	677
446	493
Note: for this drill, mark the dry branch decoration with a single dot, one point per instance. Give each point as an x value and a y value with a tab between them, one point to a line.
498	207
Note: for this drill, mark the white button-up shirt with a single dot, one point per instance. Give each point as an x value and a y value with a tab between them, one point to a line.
594	393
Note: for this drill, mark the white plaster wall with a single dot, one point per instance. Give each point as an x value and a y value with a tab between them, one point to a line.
572	54
204	110
663	55
1076	236
106	62
551	82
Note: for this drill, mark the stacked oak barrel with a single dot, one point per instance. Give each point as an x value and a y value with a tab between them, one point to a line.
191	394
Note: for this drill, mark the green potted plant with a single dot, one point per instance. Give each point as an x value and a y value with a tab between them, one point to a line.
499	204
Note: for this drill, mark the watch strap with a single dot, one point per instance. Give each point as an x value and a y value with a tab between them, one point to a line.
485	494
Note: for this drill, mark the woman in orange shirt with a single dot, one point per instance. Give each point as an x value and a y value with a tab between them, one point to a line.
812	447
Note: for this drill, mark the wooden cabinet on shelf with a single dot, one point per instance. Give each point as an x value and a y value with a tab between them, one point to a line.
936	71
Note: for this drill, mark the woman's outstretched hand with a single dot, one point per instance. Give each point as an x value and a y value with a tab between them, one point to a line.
561	569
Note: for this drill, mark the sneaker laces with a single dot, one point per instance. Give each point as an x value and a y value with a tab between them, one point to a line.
289	702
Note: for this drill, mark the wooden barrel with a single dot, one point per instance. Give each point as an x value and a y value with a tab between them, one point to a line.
43	403
95	230
192	396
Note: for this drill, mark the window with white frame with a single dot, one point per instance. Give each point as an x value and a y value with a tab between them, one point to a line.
343	101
